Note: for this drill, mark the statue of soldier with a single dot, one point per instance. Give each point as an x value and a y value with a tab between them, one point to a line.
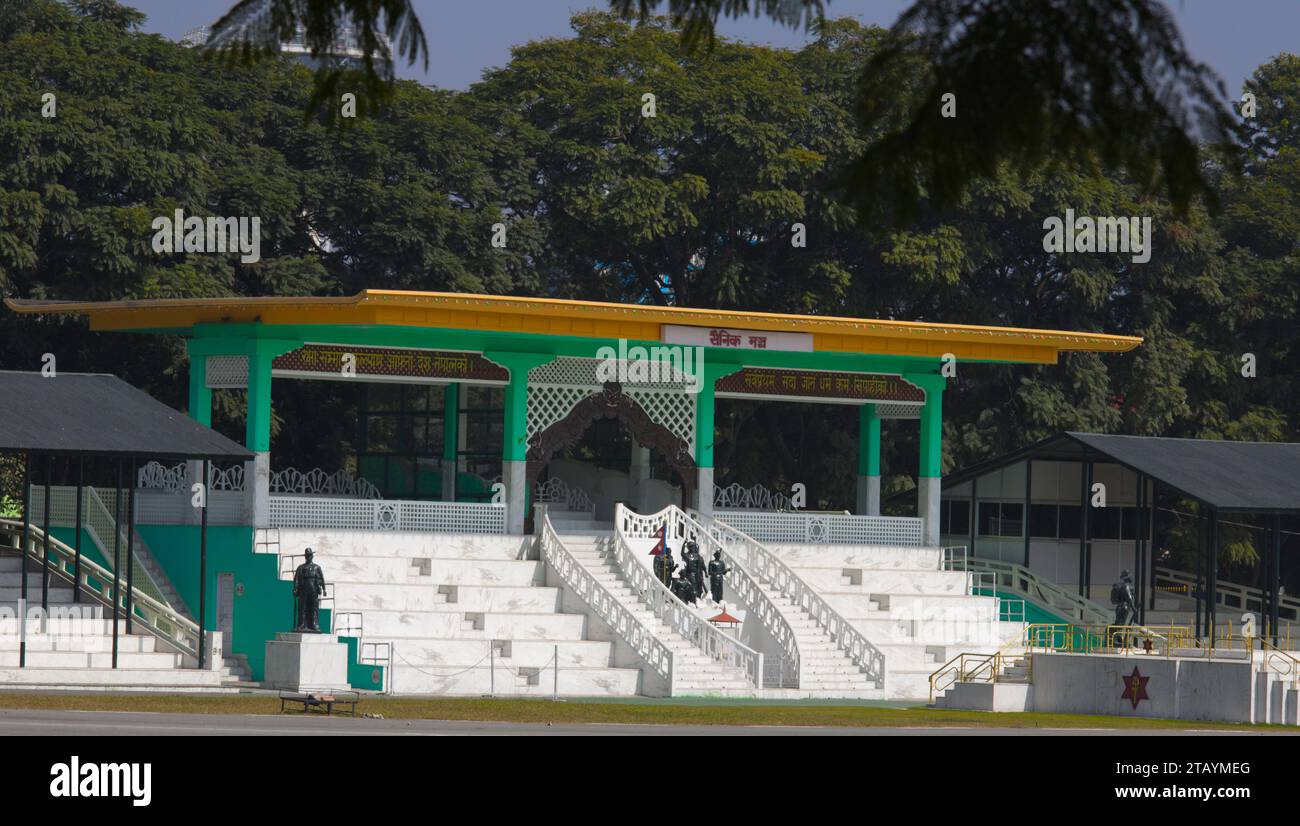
684	589
717	574
308	588
1121	596
695	567
664	567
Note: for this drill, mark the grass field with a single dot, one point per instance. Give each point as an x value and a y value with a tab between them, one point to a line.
680	712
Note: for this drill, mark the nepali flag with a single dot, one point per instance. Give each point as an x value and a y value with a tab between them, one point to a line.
662	545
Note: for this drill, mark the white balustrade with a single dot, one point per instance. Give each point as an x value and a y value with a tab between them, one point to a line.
601	603
755	497
555	491
778	576
667	607
800	528
783	671
386	515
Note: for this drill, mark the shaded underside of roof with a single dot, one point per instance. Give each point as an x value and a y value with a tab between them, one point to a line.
100	415
1230	476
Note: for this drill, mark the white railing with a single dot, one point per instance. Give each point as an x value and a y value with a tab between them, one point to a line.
386	515
668	608
826	528
176	478
778	576
153	615
603	604
316	482
1227	594
555	491
1008	576
755	497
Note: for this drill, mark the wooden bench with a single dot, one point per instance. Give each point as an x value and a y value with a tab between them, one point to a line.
325	702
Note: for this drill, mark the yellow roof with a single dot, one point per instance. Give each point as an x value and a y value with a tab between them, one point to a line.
593	319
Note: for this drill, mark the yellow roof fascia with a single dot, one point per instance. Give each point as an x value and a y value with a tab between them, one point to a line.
589	319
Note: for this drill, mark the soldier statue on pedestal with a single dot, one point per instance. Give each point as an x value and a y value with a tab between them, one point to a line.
695	567
308	588
717	575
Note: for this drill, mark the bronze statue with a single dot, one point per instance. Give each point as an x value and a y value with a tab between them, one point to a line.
717	574
684	589
695	567
664	567
308	588
1121	596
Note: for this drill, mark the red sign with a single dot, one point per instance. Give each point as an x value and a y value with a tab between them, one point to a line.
341	361
1135	687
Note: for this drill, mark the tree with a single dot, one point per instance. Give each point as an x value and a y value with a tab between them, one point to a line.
1088	84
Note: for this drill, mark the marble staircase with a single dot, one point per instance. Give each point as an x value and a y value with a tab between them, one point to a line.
466	615
73	649
915	613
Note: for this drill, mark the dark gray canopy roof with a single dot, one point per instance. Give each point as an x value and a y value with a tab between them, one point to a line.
1256	477
100	415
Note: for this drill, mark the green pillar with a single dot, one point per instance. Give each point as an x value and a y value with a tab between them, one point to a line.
705	432
450	439
930	471
868	461
257	425
514	447
200	393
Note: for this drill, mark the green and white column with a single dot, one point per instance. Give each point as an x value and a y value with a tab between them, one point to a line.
929	475
257	433
704	433
868	461
514	447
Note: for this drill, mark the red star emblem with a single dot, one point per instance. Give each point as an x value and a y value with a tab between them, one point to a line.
1135	687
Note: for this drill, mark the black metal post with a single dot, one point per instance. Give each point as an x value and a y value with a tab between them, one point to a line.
22	555
1277	575
1212	577
1029	488
974	511
1151	545
117	557
45	545
1085	522
1200	569
130	545
1139	570
203	568
76	563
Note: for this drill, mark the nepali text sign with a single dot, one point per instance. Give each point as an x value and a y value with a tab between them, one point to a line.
736	339
821	384
387	364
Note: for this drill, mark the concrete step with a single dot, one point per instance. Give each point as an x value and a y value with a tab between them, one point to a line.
327	543
483	598
385	625
504	681
108	677
521	653
404	570
96	659
872	557
133	643
871	581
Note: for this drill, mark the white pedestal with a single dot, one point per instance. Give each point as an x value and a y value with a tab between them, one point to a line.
306	662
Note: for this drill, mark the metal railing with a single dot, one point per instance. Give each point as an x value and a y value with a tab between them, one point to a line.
771	570
603	604
980	668
154	616
666	606
1227	594
1008	576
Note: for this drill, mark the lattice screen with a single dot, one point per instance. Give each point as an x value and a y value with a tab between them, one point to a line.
554	388
228	372
898	411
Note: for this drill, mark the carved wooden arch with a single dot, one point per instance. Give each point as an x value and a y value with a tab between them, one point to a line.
611	403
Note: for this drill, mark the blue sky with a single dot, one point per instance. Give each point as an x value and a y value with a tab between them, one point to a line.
467	36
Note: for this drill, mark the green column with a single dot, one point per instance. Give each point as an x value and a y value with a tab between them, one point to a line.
514	443
257	426
930	469
705	432
450	439
200	393
868	461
